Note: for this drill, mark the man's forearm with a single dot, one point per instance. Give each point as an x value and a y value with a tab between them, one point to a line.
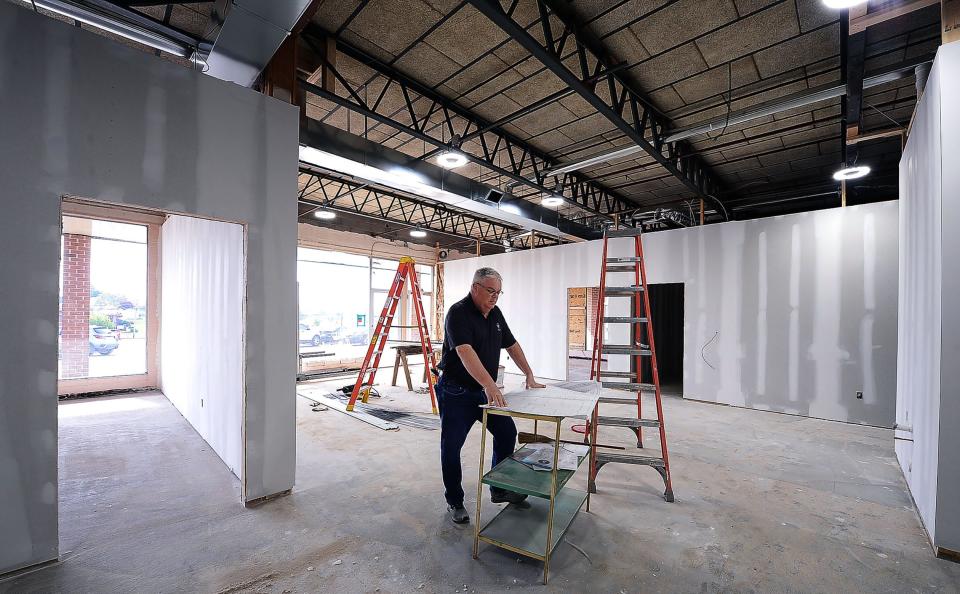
471	362
516	353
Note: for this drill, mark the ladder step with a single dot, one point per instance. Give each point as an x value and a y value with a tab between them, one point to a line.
625	349
616	291
628	387
626	374
605	457
622	268
627	422
623	320
619	399
627	232
624	260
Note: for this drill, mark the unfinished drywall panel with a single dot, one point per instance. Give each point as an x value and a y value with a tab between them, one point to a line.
794	314
948	450
107	122
202	334
918	358
928	384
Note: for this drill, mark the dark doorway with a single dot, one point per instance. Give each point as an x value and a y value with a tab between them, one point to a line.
666	306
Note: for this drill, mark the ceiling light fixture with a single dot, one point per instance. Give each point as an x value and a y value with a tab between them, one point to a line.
418	233
851	173
451	159
105	23
393	180
594	160
552	201
324	214
842	3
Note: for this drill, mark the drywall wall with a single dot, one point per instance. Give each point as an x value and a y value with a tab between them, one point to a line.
918	356
794	313
948	477
928	383
201	339
87	116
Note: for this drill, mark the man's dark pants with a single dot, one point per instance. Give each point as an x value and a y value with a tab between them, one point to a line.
459	410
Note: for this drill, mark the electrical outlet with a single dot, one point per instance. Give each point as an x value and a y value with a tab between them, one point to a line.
859	395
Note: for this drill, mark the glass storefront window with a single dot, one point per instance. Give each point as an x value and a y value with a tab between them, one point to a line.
341	297
103	299
334	305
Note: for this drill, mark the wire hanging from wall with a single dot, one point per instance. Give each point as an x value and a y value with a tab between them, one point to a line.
702	356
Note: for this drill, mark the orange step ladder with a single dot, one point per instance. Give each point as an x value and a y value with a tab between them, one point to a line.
378	342
632	382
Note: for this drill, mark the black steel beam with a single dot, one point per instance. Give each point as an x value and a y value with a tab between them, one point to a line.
596	83
134	3
500	151
355	148
323	190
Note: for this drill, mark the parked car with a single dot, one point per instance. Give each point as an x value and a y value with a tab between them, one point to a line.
315	336
310	336
356	338
102	340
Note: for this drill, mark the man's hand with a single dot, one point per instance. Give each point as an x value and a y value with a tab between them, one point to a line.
532	382
495	396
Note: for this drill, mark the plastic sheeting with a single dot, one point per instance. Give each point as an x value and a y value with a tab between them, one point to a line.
201	334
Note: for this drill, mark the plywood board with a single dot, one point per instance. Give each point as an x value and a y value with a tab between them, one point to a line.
577	297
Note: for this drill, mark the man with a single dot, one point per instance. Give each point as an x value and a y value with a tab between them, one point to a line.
475	332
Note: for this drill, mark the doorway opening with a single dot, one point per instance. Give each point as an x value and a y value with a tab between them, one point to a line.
666	305
666	308
118	264
581	328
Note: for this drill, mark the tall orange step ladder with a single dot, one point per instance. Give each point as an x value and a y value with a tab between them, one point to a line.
378	342
632	382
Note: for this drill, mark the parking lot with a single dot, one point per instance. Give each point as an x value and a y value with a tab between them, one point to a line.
128	359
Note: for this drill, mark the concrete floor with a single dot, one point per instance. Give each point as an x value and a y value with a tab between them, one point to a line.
765	503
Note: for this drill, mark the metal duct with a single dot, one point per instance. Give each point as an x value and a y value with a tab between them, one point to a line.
797	100
252	32
921	72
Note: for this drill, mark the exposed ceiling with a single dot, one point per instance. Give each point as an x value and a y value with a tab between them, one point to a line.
524	98
693	60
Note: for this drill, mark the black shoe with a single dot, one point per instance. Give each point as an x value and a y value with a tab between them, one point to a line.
458	514
509	497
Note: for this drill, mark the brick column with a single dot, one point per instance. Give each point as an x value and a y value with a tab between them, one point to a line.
75	316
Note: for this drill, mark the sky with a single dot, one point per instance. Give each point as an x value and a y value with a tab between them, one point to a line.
118	260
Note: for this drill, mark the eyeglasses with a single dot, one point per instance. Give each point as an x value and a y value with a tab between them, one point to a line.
490	291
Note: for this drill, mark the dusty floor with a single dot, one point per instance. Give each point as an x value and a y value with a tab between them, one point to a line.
765	503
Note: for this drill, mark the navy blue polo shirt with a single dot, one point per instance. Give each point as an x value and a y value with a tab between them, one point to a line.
487	335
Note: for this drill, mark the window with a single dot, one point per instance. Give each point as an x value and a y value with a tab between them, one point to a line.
341	298
425	276
103	299
334	305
